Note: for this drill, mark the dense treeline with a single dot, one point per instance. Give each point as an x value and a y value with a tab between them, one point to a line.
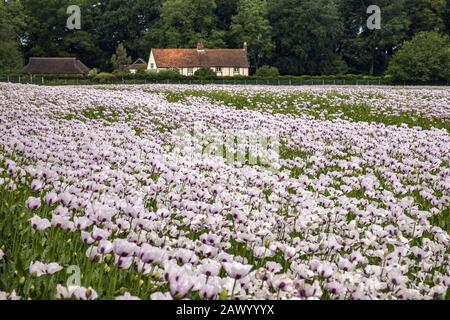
312	37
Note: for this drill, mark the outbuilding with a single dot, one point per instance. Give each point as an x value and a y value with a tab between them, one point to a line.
56	66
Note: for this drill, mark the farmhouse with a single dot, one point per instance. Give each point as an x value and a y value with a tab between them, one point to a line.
56	66
225	62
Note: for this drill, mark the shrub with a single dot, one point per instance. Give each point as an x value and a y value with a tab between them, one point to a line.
425	58
104	77
141	73
169	74
267	72
93	73
205	73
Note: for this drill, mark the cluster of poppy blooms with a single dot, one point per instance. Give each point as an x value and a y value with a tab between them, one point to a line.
349	213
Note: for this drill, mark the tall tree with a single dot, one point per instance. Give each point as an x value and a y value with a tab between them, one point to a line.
367	50
11	25
104	24
251	25
447	17
120	59
123	21
184	23
427	15
225	10
425	58
297	36
86	43
306	35
46	27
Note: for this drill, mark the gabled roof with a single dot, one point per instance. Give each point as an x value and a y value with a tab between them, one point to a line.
179	58
138	62
55	65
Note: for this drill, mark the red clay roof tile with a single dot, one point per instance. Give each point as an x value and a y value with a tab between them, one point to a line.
178	58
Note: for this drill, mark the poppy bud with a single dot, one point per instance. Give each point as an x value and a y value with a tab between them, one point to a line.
88	292
223	295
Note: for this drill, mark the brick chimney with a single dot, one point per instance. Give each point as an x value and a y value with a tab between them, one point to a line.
200	47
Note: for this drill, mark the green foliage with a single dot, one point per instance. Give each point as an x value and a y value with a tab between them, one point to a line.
427	15
365	50
11	22
267	71
120	60
306	36
225	10
93	73
250	25
104	77
121	21
102	28
288	104
205	73
447	17
184	24
169	74
425	58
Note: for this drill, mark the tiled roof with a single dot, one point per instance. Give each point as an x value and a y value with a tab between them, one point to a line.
55	66
179	58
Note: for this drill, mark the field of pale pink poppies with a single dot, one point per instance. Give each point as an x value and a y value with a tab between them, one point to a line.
224	192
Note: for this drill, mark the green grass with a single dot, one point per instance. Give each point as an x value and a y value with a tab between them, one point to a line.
290	103
99	113
22	245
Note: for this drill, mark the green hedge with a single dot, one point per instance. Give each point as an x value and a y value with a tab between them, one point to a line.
170	76
173	75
